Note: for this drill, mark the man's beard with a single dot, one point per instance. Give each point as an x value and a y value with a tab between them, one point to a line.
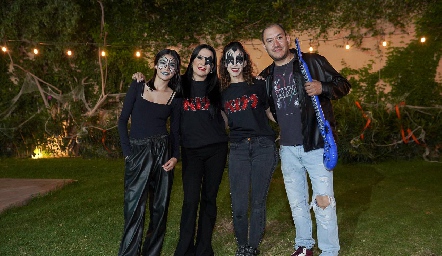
275	58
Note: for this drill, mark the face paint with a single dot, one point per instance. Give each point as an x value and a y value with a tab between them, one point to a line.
166	62
207	60
234	56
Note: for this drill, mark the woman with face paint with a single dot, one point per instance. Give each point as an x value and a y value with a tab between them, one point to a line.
253	156
150	153
204	152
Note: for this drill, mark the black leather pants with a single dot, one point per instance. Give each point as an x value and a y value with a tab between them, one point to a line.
144	177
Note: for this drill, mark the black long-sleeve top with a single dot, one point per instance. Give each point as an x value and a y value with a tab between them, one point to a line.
148	119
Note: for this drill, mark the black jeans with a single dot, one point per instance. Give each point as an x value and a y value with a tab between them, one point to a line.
203	170
252	162
145	177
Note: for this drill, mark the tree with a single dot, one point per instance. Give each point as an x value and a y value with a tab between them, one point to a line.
76	99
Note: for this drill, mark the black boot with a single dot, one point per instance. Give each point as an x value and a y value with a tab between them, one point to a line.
250	251
241	251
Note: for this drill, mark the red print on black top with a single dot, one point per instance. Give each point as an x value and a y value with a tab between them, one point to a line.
197	103
240	104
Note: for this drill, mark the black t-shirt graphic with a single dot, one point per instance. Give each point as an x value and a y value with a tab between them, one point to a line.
245	107
198	127
286	97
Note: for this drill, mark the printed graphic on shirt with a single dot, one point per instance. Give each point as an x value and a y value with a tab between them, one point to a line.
286	94
240	104
195	104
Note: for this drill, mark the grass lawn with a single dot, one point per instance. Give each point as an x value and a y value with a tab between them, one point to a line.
392	208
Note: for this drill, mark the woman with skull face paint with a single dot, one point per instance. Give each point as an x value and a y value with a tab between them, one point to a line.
150	153
204	152
253	156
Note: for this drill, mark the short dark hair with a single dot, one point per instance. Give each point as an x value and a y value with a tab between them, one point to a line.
269	26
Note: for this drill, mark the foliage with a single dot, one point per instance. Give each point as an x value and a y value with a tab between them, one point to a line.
77	93
375	126
72	99
378	130
411	71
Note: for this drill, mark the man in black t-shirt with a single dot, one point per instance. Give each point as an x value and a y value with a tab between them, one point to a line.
301	144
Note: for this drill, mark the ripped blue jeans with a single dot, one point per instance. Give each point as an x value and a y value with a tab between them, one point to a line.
295	165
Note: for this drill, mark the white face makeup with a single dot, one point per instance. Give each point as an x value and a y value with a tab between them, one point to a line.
167	65
234	57
235	62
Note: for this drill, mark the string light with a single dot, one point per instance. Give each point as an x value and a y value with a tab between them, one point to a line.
138	52
311	47
347	45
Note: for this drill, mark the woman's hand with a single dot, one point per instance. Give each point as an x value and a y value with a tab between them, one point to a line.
169	165
138	76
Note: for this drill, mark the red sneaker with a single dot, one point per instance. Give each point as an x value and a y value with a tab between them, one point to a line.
302	251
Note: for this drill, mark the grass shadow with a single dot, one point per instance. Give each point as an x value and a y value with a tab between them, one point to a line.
354	187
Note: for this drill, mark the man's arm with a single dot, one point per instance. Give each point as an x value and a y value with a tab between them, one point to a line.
334	85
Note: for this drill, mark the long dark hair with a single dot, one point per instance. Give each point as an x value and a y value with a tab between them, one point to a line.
247	70
213	87
175	82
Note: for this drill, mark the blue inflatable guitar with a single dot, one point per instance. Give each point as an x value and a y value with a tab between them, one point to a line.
330	148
